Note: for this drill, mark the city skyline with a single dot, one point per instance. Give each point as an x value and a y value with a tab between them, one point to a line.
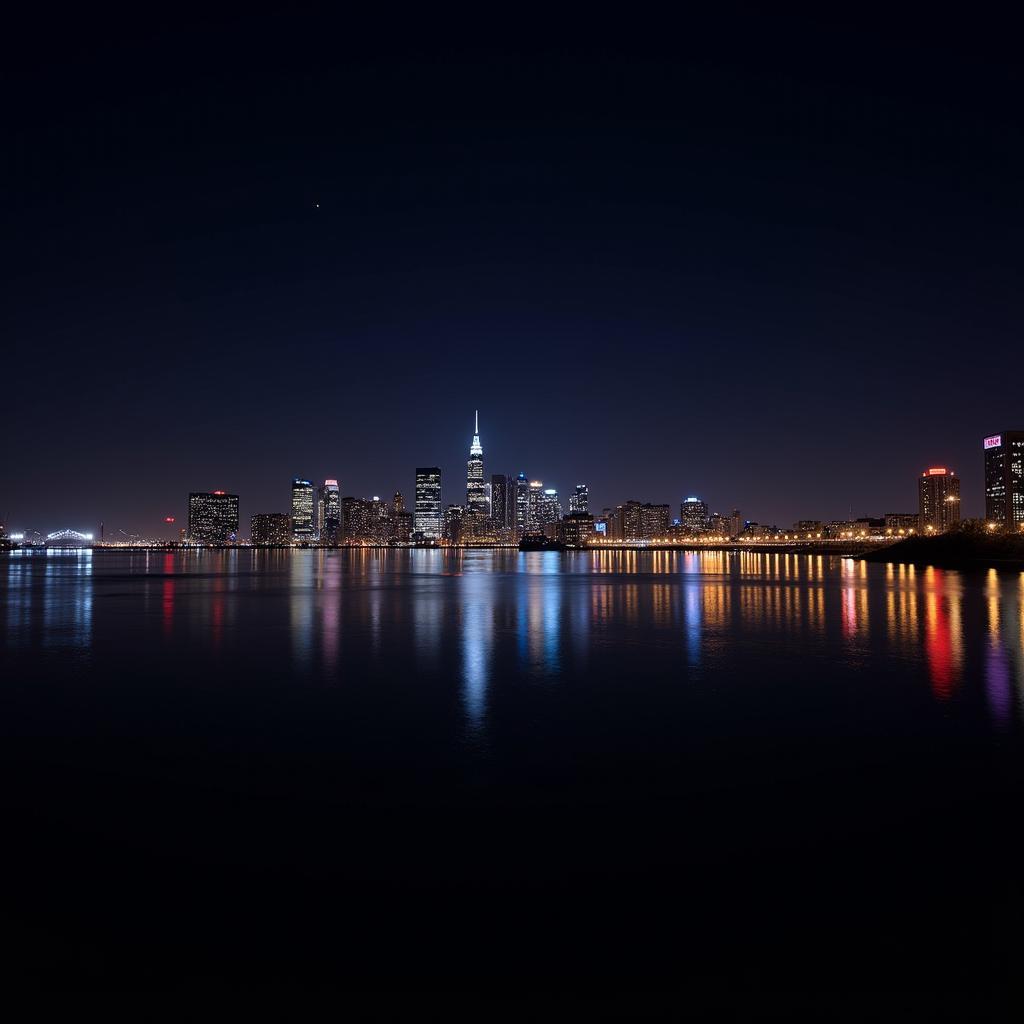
539	503
649	291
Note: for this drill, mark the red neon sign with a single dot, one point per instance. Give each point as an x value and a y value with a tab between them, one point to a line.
938	471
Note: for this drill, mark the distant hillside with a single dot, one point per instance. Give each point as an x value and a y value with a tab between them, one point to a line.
958	549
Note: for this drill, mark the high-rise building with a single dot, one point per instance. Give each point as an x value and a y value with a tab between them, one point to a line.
693	515
579	500
938	492
302	510
503	503
329	512
1004	477
550	508
533	519
735	523
522	504
644	521
576	529
401	521
452	523
476	497
212	517
427	517
270	529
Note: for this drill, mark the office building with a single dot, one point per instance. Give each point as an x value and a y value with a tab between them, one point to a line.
938	492
522	504
401	520
736	523
550	508
576	529
693	515
302	511
453	523
1004	478
579	500
643	521
476	496
329	513
427	514
212	517
270	529
533	513
503	506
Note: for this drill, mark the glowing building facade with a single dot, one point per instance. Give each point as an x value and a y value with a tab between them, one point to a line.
476	495
328	506
270	529
1004	477
938	491
212	517
427	514
303	529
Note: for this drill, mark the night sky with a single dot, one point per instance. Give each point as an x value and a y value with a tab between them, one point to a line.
775	263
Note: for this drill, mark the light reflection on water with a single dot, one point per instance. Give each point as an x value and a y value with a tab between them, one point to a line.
540	616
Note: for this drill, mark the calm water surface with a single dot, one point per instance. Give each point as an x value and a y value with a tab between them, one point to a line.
413	768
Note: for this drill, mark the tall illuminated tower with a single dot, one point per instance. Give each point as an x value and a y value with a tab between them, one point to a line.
303	527
329	512
427	517
476	496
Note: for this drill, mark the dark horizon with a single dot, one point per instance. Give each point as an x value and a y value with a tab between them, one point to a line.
772	262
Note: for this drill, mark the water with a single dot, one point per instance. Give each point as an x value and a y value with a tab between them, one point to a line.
701	772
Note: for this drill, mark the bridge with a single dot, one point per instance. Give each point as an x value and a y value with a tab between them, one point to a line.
68	539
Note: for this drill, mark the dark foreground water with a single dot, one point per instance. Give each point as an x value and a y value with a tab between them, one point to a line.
702	774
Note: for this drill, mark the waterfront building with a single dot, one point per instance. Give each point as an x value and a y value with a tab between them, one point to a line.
401	520
644	521
357	520
533	514
476	496
212	517
503	503
302	511
693	515
270	529
549	509
427	514
579	500
576	529
329	513
901	522
522	504
718	525
1004	478
938	491
736	523
452	524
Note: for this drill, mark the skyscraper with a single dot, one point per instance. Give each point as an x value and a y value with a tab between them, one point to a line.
302	511
476	497
550	508
1004	477
212	517
522	504
693	514
938	492
329	512
270	528
427	516
503	501
579	500
534	494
